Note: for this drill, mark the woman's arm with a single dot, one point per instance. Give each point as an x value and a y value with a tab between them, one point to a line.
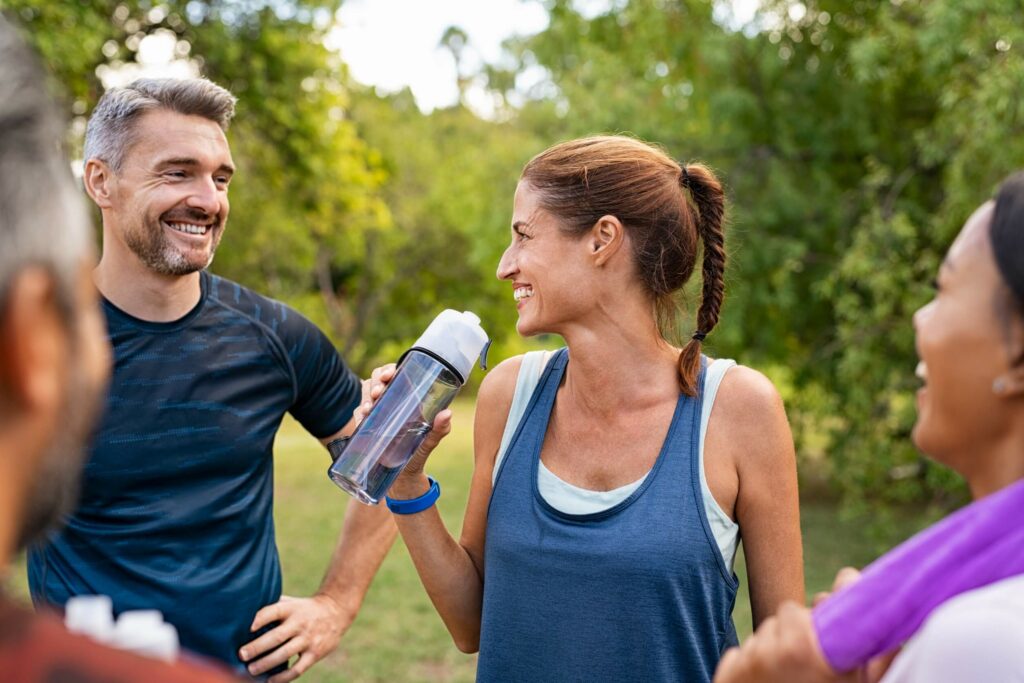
749	429
452	572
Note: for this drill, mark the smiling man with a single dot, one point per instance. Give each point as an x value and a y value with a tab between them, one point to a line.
176	508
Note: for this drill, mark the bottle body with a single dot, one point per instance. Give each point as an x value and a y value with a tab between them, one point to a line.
367	463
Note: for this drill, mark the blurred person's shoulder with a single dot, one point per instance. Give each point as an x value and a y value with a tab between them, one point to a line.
976	636
36	648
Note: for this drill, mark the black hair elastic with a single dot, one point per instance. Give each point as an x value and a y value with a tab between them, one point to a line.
684	177
699	336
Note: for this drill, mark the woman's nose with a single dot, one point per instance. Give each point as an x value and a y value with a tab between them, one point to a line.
506	266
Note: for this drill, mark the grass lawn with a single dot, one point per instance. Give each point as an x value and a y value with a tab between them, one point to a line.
398	636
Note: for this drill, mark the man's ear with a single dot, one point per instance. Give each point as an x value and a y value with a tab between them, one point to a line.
606	238
34	343
98	179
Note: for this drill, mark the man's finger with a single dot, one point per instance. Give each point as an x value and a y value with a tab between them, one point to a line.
279	656
267	615
301	666
820	598
273	638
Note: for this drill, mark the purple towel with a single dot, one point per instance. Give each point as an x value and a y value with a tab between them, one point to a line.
975	546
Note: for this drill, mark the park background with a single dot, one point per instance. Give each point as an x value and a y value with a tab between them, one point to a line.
854	138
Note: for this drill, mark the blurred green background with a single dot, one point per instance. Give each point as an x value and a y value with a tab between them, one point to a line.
854	138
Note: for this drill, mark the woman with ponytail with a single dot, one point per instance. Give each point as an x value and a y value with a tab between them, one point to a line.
608	497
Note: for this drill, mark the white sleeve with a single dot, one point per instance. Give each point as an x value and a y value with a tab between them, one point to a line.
965	641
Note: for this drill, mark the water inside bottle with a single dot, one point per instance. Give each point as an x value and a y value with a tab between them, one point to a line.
370	483
366	464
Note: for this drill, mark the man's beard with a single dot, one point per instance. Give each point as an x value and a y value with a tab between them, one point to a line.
150	243
55	489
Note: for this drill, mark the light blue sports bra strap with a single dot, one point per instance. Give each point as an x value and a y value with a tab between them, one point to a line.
530	372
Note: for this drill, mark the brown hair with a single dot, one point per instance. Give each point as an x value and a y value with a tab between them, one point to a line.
664	206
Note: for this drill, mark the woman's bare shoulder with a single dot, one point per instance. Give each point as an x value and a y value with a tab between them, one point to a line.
493	401
749	409
746	392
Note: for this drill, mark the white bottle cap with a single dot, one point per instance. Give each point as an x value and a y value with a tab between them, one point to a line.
90	615
455	337
144	632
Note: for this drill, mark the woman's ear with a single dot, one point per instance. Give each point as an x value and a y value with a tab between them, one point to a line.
1011	382
606	238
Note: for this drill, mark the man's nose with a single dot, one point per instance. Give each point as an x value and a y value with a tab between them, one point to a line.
206	196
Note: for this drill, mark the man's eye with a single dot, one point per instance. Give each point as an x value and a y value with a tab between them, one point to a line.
175	174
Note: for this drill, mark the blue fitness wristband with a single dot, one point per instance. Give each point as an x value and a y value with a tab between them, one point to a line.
414	505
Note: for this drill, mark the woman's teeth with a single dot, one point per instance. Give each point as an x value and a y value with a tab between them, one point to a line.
522	293
921	371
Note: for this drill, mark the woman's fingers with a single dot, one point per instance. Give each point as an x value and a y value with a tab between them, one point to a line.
441	428
847	576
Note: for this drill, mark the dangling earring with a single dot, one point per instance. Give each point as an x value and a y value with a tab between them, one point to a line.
999	386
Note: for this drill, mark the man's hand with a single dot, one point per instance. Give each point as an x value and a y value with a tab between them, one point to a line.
309	627
373	388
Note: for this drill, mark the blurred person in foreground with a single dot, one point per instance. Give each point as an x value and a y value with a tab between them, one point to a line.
970	341
613	478
54	365
176	512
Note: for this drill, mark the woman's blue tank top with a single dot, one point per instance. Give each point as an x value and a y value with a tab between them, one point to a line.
638	592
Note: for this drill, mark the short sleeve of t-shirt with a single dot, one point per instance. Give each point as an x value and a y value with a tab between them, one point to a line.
326	390
977	636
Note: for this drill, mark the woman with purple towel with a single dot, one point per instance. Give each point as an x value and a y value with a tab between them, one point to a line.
947	606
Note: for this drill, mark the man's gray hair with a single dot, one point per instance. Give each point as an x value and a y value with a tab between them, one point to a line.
43	220
110	133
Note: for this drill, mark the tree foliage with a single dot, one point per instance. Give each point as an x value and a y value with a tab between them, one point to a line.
854	137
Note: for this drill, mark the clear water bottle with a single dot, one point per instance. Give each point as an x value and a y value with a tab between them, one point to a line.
428	377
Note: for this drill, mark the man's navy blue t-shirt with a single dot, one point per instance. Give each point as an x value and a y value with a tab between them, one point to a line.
177	496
